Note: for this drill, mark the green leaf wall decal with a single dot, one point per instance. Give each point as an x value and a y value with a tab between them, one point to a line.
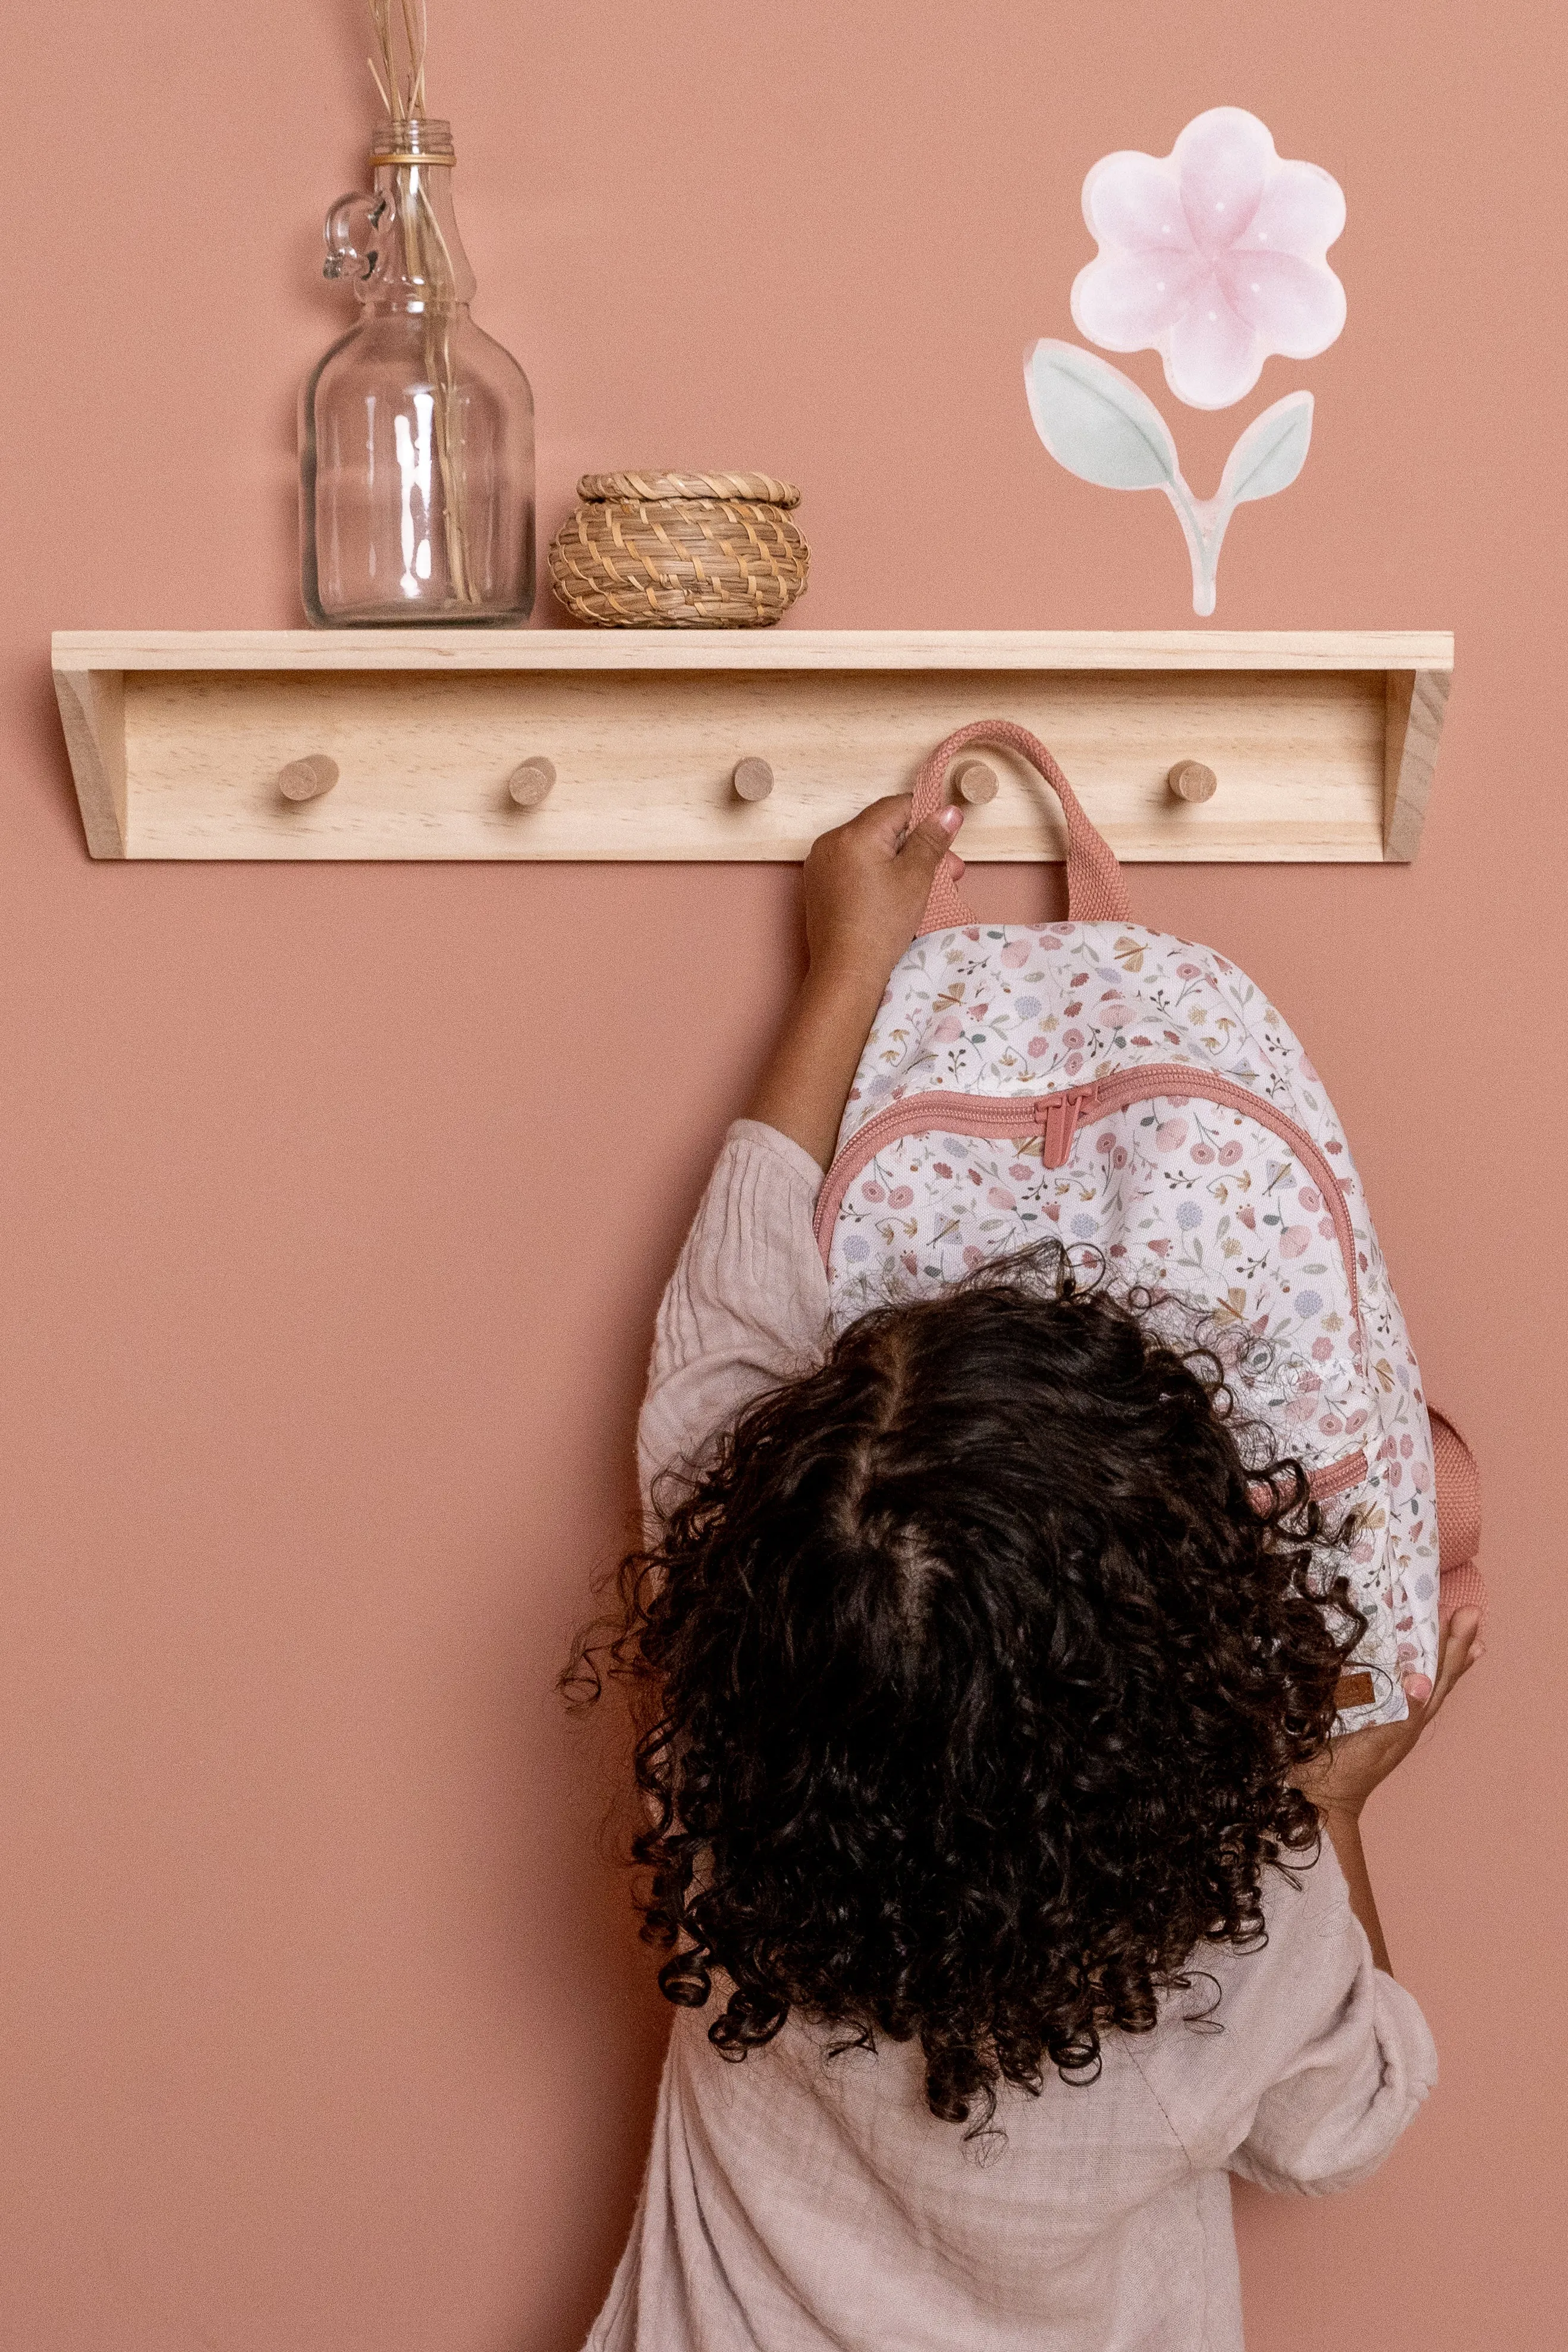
1097	424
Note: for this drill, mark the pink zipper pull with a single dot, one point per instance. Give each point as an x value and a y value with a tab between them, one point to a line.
1059	1117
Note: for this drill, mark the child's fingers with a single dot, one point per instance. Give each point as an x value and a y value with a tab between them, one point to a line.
884	824
1455	1656
884	830
929	843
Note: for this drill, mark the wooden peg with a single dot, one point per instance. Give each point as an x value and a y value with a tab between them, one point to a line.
976	782
753	778
531	782
1189	780
307	780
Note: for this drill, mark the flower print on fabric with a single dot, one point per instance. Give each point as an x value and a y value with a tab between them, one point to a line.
1214	256
1201	1204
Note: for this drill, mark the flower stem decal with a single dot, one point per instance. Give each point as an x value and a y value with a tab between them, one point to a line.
1097	423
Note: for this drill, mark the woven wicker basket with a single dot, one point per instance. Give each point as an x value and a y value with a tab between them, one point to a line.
676	550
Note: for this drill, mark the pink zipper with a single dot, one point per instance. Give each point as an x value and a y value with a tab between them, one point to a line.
1334	1477
1056	1118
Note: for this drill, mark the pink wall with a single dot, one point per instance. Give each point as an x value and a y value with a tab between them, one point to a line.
323	2024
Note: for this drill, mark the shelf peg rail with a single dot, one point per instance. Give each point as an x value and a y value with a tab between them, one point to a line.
187	744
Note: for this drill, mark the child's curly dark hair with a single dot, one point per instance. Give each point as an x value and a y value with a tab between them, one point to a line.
969	1673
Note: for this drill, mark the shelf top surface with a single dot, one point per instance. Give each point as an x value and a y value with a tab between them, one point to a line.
752	649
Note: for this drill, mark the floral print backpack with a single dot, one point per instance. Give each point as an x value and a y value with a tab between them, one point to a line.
1140	1098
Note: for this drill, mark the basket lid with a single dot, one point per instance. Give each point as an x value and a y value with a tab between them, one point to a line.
757	490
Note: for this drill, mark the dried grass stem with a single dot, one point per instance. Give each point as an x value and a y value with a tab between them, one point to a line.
402	40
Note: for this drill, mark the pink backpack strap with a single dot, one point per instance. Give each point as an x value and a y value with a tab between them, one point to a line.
1460	1584
1458	1492
1096	892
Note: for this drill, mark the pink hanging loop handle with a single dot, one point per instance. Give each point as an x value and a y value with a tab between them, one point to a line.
1096	892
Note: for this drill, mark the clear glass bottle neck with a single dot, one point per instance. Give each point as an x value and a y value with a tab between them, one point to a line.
420	261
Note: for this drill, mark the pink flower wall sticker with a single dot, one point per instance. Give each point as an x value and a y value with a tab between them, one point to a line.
1214	256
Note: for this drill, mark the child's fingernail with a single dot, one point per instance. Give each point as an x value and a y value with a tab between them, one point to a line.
1478	1649
951	819
1418	1687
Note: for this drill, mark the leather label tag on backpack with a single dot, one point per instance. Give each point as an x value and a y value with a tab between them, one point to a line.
1354	1690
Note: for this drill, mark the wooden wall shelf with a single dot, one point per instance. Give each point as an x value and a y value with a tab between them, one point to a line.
1323	744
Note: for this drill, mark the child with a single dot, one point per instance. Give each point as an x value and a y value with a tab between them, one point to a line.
984	1685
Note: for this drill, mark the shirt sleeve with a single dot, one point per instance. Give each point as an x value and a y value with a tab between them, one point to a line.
746	1305
1296	2063
1361	2059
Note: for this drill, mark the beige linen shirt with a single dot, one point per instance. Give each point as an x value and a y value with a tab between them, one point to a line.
796	2203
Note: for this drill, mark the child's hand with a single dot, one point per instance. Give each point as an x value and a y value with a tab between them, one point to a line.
866	887
1340	1780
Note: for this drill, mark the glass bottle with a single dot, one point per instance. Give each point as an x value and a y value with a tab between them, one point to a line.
416	430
